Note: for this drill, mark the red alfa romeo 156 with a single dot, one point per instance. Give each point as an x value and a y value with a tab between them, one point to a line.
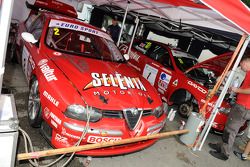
80	83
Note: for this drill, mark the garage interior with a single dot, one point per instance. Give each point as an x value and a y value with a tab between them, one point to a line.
170	151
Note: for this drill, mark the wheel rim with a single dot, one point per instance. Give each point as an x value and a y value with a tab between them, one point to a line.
185	109
34	101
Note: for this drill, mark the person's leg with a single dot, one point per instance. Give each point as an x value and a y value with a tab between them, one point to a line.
234	122
247	149
243	156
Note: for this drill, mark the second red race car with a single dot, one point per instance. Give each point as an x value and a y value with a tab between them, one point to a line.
80	85
179	78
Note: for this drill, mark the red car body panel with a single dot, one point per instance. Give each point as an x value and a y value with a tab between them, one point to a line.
174	79
67	79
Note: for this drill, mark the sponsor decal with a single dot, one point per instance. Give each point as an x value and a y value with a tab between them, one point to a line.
168	71
134	56
55	118
77	27
175	83
53	123
116	80
43	61
135	67
57	53
139	129
47	71
209	103
46	113
164	81
156	65
61	139
65	133
197	87
51	98
98	139
150	73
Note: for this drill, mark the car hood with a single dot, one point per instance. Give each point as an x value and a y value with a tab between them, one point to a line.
216	64
107	85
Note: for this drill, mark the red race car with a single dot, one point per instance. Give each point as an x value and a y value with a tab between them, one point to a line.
178	76
80	84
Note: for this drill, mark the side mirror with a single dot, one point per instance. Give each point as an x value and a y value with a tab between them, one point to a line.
28	37
126	57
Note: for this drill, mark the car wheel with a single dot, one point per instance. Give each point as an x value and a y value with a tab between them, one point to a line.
185	109
34	105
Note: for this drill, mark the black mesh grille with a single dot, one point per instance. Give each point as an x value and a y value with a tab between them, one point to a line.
112	114
147	112
119	114
132	117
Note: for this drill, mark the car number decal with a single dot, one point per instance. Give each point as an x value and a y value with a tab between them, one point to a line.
56	31
150	73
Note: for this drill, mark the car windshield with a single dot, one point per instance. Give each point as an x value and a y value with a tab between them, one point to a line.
82	41
183	61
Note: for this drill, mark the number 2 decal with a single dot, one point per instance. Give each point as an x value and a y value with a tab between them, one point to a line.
56	31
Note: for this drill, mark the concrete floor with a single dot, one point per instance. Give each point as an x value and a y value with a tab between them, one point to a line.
167	152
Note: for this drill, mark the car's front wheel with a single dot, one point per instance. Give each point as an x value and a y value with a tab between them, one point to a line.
34	105
185	109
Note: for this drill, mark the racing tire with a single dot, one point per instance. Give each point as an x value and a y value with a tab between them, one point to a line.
185	109
34	105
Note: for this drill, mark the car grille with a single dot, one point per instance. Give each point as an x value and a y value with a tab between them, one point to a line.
132	117
119	114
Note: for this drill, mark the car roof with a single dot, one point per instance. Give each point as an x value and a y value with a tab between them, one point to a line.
176	52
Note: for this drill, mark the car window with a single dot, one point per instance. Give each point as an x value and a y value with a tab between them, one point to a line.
34	25
81	41
142	46
161	55
30	20
37	24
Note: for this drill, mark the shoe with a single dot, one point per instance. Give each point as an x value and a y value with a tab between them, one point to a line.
219	155
239	155
215	147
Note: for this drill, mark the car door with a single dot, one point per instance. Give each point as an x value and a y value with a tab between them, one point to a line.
159	70
30	51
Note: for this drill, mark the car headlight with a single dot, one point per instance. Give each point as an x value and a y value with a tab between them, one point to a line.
79	112
158	111
224	110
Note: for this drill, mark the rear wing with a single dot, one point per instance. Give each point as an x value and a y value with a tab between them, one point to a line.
54	6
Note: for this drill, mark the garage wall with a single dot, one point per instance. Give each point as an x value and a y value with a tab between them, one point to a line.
20	12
